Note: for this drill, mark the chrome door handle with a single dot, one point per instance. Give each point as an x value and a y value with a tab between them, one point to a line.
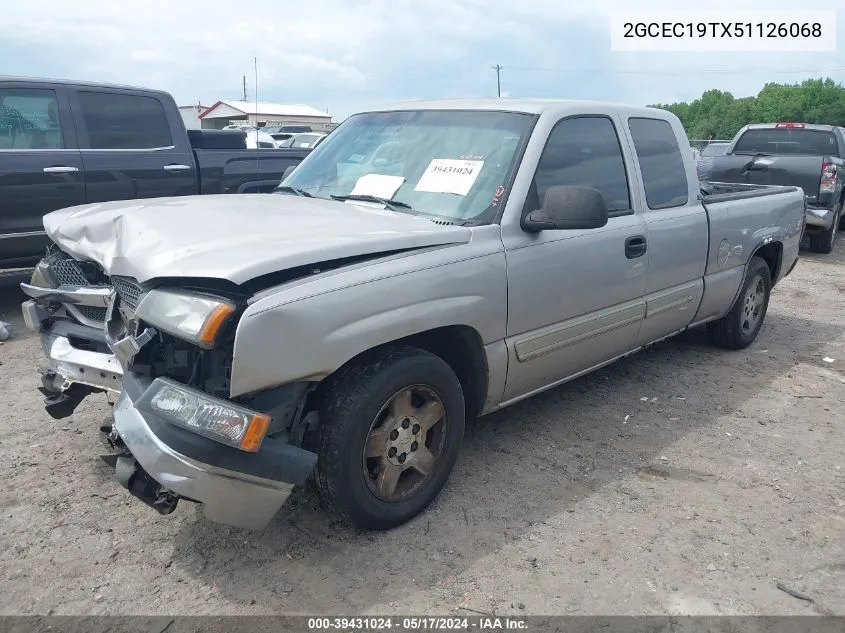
60	170
176	167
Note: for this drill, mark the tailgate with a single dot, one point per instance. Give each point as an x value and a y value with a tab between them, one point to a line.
797	171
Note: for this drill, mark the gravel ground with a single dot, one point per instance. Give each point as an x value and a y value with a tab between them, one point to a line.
685	479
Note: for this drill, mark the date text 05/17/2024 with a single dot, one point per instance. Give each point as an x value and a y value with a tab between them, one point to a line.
491	623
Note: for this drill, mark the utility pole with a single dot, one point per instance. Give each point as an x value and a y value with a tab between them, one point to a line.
244	87
498	70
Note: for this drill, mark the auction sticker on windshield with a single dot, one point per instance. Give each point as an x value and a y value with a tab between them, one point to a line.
447	175
379	185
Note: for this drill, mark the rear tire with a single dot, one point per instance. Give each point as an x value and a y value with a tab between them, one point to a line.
739	327
390	430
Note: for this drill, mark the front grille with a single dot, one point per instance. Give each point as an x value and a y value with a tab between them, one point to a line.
128	291
67	271
91	313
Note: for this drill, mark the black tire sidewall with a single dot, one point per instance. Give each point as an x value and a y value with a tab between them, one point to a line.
341	456
757	267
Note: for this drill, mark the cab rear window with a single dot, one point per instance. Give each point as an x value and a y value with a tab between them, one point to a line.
787	141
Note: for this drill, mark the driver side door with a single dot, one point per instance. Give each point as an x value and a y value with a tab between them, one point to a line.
576	297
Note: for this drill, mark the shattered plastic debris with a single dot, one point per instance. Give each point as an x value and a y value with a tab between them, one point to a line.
625	421
4	331
828	359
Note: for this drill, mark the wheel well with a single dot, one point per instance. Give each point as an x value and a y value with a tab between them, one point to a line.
772	253
460	346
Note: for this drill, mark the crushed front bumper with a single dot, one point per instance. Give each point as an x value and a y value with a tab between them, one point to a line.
77	360
163	463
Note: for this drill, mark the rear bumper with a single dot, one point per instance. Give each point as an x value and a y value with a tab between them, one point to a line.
167	463
819	218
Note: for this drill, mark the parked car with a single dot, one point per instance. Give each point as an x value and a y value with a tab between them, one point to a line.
304	140
427	264
284	132
714	149
799	154
261	140
64	143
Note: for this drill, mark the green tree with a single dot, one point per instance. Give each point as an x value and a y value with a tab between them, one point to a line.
718	114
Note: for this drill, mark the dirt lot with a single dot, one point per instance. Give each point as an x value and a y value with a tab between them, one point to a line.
682	480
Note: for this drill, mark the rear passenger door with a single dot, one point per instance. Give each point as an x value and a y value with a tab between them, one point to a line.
676	228
40	166
131	147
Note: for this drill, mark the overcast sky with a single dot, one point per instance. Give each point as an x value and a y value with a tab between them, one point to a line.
347	55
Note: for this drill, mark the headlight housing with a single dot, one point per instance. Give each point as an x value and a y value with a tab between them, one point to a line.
216	419
194	317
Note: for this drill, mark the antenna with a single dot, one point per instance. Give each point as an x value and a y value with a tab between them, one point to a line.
257	145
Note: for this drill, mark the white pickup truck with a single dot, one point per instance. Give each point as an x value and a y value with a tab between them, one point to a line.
424	265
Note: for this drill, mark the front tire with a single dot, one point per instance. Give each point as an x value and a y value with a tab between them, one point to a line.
390	430
739	327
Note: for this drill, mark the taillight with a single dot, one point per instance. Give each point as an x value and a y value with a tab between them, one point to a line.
789	125
828	181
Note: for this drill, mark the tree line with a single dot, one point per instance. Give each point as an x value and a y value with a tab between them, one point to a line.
719	115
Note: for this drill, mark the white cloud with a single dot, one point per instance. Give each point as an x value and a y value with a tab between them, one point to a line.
348	54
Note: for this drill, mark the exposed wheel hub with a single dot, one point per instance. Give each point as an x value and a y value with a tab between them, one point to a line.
404	440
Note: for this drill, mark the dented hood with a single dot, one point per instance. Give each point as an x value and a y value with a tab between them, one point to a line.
236	236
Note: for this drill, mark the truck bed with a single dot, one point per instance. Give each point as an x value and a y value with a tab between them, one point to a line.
244	170
765	169
775	212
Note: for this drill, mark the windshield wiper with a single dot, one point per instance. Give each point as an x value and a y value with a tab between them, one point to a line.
289	189
393	205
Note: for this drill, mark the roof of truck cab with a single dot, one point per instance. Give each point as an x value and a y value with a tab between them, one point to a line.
74	82
510	104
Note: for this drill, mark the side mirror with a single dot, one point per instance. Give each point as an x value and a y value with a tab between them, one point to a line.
287	172
568	207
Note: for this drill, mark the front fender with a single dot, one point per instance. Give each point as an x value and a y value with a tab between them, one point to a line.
309	330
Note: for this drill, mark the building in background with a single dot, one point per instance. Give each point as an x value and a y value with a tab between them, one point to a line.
191	115
260	114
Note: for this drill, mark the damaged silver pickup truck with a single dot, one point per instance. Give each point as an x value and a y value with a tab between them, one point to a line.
426	264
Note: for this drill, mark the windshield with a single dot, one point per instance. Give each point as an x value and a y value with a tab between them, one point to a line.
448	163
787	141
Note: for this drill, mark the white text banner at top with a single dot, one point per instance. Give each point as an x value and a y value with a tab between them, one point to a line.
710	31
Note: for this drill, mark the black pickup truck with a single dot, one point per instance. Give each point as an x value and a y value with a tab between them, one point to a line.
64	143
800	154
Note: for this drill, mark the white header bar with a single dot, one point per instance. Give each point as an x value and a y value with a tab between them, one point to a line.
723	31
